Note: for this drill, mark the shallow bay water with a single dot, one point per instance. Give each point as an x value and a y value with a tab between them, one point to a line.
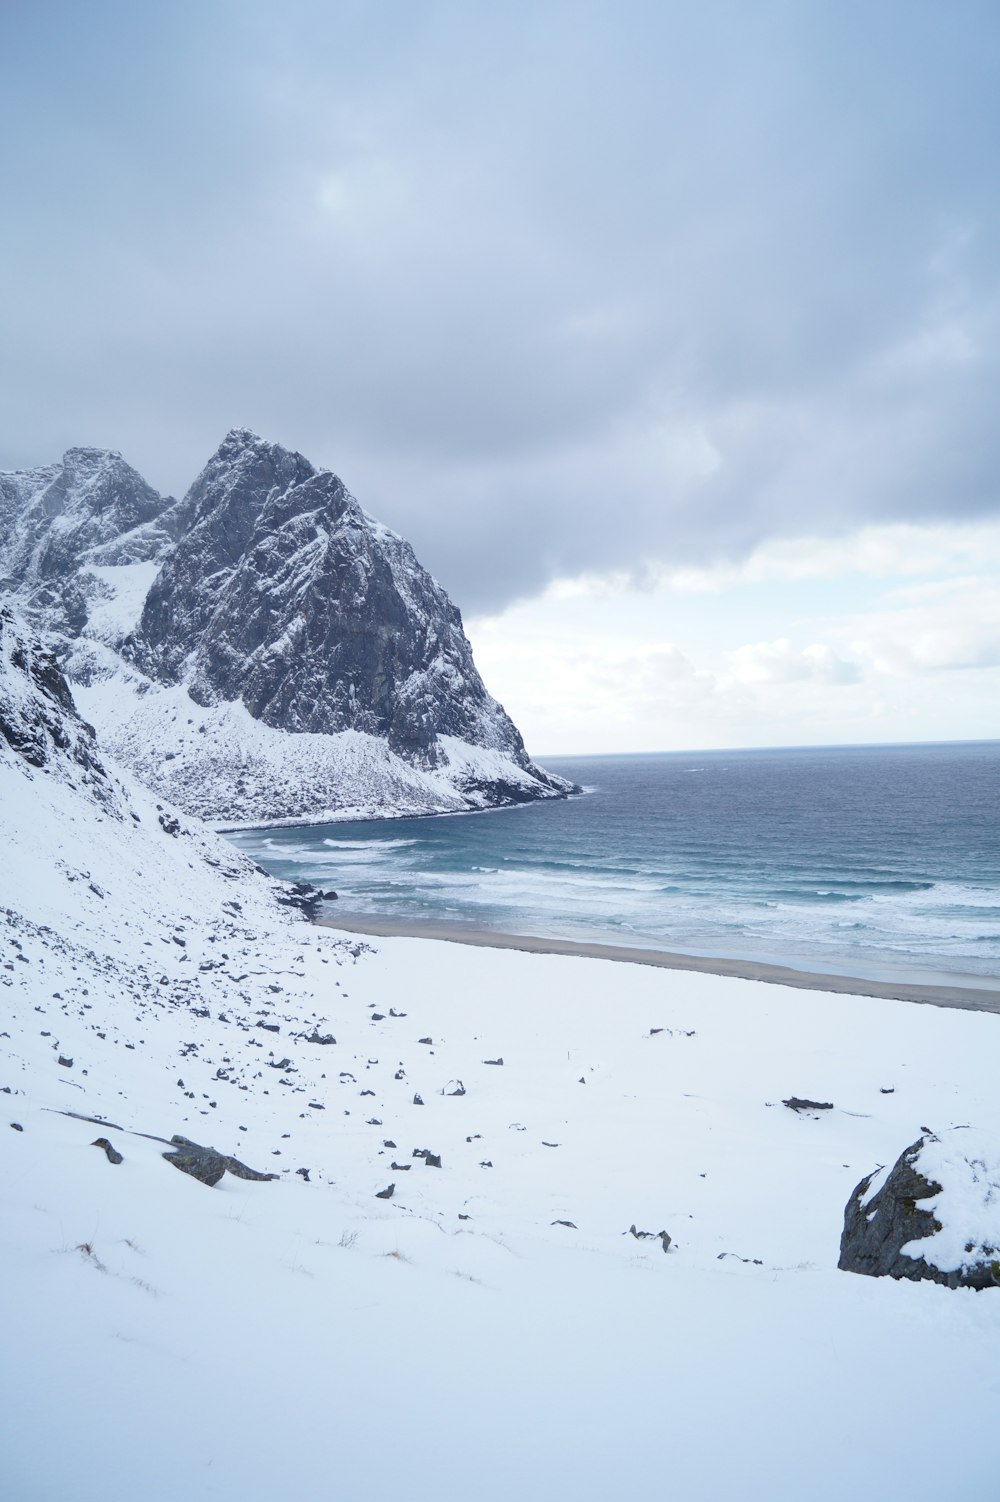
878	861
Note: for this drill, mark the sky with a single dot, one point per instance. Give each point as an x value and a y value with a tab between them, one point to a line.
666	332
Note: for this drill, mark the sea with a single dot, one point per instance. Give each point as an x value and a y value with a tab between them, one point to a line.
872	861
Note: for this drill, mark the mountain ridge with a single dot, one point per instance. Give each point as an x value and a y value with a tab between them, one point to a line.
264	606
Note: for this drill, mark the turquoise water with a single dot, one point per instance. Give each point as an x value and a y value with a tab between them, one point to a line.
874	861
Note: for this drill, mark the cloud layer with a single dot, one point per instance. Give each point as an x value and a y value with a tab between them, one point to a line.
557	288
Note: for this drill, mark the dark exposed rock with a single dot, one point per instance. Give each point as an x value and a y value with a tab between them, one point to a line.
207	1164
493	1061
387	1193
17	1126
111	1153
431	1160
38	719
877	1228
66	1063
302	895
664	1238
794	1103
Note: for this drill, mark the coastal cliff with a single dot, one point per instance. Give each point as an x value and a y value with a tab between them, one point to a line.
261	650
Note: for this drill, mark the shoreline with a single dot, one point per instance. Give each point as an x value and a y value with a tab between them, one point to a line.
968	998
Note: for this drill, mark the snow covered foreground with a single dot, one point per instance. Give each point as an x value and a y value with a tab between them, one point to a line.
300	1338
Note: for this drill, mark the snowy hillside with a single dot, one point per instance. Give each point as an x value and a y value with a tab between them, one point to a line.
457	1282
320	671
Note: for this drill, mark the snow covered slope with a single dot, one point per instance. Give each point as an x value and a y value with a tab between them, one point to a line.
323	671
499	1324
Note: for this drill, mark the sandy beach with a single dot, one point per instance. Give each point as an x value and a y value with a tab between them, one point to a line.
973	998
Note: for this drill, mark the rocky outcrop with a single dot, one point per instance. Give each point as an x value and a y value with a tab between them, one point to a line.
207	1164
919	1220
39	722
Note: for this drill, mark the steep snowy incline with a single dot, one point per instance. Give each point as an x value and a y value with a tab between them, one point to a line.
475	1154
326	671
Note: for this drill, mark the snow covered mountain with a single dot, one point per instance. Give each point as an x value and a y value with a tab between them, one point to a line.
262	650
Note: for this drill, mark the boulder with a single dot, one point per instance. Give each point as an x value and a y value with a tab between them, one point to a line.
932	1215
207	1164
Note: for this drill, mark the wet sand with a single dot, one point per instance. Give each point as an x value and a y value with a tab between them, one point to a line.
971	998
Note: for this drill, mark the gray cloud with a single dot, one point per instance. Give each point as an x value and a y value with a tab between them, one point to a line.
554	287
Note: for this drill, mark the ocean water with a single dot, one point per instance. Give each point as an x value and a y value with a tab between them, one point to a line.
881	862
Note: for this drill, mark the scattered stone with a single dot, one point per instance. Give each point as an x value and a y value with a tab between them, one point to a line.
794	1103
378	1016
493	1061
305	1174
417	1101
549	1144
664	1238
400	1167
571	1224
752	1261
425	1040
66	1063
458	1090
17	1126
324	1038
388	1142
111	1153
386	1194
891	1090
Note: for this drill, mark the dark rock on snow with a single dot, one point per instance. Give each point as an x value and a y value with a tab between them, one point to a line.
111	1153
207	1164
876	1229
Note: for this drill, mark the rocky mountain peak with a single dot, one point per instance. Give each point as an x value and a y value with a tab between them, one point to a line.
267	593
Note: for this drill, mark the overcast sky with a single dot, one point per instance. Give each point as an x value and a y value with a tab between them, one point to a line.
667	333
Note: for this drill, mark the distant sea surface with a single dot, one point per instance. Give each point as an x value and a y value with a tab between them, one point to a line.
881	862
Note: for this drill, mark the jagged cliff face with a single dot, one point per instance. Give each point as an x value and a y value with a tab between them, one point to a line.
40	728
269	588
284	594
